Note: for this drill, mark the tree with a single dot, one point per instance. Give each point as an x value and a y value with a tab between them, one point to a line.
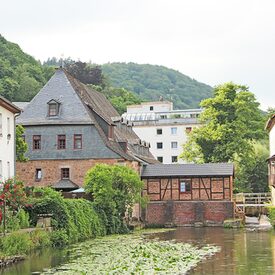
114	189
231	121
21	145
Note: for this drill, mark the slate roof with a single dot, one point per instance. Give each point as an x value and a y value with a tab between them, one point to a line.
65	184
79	105
178	170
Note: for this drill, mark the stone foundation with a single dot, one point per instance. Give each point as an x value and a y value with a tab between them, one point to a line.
181	213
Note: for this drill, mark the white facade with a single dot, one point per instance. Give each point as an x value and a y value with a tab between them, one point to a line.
7	139
164	128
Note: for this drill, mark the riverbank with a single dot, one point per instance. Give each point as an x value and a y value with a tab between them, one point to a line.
132	254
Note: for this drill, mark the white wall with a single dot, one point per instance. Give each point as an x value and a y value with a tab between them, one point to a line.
272	141
145	107
7	145
149	134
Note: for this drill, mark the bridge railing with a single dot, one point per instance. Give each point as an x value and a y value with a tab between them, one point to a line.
253	198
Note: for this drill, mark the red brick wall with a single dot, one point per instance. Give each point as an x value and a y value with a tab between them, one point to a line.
188	212
51	170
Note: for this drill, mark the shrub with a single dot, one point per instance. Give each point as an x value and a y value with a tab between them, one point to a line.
114	189
23	218
59	238
271	214
40	238
16	244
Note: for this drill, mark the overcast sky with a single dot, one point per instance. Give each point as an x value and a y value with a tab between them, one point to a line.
213	41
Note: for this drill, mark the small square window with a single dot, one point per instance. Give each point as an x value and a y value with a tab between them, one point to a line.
61	142
151	108
174	144
38	174
160	159
159	145
65	173
185	186
36	145
77	141
188	129
174	130
174	159
159	131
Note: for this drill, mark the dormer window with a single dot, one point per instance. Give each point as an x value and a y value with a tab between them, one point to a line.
53	108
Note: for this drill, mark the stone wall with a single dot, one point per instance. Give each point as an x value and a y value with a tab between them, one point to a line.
51	170
182	213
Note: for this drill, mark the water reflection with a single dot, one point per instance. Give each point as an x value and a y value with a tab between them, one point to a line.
241	252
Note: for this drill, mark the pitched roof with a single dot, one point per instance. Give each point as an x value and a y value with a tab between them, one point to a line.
8	105
65	184
270	123
178	170
79	105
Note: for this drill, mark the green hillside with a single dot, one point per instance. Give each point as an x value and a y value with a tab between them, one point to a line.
21	76
150	82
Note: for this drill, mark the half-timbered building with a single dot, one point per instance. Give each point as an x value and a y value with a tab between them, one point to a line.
182	194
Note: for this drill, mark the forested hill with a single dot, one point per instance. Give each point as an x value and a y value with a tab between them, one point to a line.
21	76
151	82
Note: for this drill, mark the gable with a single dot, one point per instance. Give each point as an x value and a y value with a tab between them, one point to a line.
58	89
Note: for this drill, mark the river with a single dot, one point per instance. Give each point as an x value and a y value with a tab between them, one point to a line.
242	252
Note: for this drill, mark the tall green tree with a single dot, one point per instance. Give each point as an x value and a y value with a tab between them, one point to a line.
21	145
231	121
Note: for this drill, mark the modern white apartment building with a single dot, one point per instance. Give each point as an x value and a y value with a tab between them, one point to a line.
164	128
8	112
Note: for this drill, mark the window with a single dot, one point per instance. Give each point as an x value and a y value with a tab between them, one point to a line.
188	129
65	173
174	159
77	141
174	144
159	131
9	169
61	142
160	159
163	116
185	186
151	108
38	174
36	144
159	145
9	128
53	109
1	125
174	130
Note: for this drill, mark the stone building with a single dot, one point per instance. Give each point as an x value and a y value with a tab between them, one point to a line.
183	194
8	112
69	128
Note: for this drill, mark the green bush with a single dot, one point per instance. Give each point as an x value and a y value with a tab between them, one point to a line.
76	217
40	238
12	221
16	244
59	238
271	214
23	218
